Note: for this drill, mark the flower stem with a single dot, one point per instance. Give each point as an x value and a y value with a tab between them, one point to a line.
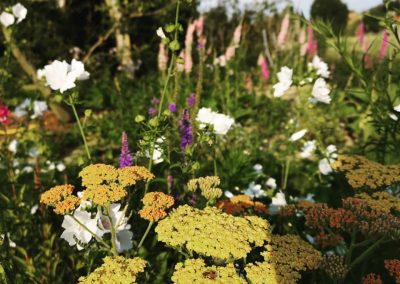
90	231
366	252
71	102
286	174
113	233
144	236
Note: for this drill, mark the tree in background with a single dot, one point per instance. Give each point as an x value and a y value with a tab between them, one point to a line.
333	11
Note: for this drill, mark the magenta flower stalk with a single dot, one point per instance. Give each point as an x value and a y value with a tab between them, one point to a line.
384	45
312	44
360	34
185	129
126	159
262	62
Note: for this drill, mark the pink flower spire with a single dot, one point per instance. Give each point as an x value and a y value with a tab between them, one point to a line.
237	35
312	44
384	45
360	34
4	115
264	67
162	58
284	30
188	48
199	25
126	159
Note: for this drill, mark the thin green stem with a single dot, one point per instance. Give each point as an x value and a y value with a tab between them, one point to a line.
71	102
144	236
366	252
286	175
113	233
90	231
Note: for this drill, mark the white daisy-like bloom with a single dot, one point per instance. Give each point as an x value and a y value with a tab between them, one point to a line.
19	12
7	19
277	203
298	135
393	116
220	122
40	74
13	146
284	81
397	108
321	91
308	149
258	168
121	226
321	67
157	155
161	33
21	110
254	190
271	183
74	232
39	108
62	76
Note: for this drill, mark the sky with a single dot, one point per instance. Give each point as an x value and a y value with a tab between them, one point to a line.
300	5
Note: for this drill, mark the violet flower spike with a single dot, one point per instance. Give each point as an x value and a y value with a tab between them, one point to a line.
126	159
191	100
185	130
172	107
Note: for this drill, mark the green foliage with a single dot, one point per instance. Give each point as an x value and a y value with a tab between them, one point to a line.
333	11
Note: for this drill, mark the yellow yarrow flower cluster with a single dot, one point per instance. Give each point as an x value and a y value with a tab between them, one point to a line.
361	172
105	184
334	265
210	232
60	197
196	271
381	201
208	186
285	257
116	270
155	204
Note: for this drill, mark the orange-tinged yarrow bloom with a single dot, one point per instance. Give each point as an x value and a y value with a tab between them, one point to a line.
131	175
56	194
67	205
155	204
240	204
372	278
103	194
393	266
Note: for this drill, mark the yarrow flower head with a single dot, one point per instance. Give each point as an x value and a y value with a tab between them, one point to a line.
225	239
61	76
116	269
207	185
60	197
155	206
185	129
241	204
126	158
196	271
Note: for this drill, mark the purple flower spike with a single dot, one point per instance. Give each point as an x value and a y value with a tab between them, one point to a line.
172	107
186	130
191	100
152	111
126	159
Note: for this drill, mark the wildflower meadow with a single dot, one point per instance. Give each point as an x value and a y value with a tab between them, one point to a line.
162	142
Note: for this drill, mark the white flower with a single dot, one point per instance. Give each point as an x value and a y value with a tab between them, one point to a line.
254	190
34	209
321	91
13	146
74	231
271	183
21	109
285	81
393	116
258	168
60	167
321	67
6	19
397	108
324	166
58	76
205	116
308	148
34	152
78	69
39	108
228	194
277	202
222	123
19	12
161	33
40	74
27	169
298	135
62	76
119	220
